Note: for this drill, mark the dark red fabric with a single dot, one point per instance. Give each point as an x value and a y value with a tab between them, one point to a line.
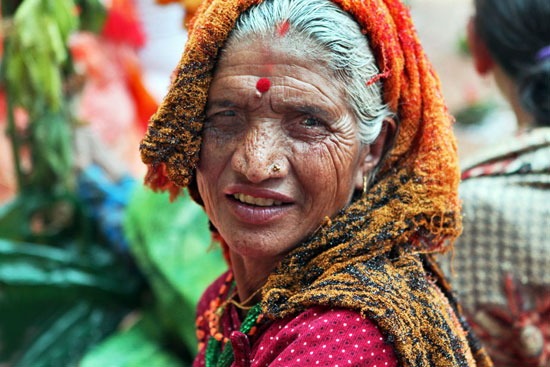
320	336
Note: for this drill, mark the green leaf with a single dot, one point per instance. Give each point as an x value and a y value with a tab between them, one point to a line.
139	346
170	242
62	338
92	15
38	265
57	303
65	13
56	40
52	150
37	50
14	220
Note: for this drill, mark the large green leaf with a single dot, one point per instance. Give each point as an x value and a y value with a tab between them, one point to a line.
141	345
56	303
60	218
60	335
170	242
32	264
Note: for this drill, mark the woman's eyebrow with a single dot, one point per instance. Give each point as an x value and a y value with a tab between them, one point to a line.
312	110
220	103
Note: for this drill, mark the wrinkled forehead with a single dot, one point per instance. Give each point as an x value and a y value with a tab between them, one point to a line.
252	76
292	45
289	55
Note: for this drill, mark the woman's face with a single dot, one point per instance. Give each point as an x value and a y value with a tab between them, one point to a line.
273	165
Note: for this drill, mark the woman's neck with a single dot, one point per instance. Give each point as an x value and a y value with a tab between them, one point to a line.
509	90
250	275
524	119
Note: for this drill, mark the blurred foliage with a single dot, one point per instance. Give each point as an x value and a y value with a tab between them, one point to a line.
169	242
36	54
51	142
92	15
170	248
463	47
40	218
36	67
66	283
63	287
140	345
9	7
57	302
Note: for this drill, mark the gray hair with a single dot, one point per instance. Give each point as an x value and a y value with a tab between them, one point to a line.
320	31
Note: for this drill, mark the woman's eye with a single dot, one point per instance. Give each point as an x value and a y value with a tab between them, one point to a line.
223	121
308	128
312	122
227	113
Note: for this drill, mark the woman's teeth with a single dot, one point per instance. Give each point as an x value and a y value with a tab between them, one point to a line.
247	199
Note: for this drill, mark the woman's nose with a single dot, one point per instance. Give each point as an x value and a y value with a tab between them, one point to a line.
258	155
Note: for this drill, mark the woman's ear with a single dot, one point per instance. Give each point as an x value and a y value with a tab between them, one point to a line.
483	61
373	153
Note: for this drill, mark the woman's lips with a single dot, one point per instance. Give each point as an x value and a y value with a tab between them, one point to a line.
257	214
258	193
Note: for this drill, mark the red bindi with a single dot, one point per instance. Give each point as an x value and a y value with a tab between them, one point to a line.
263	85
282	29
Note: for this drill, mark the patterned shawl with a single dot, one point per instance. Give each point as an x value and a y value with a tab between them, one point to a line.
502	260
376	255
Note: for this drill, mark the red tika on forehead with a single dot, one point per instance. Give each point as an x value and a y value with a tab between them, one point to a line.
282	28
263	85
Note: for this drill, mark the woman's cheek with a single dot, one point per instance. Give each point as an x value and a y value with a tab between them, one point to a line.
215	151
208	175
340	162
204	191
315	168
343	148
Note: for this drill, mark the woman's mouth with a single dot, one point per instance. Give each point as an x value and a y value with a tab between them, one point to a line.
258	210
251	200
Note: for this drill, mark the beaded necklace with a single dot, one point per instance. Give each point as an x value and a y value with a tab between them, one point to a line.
214	356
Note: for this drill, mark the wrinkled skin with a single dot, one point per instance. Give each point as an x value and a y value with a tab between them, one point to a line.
301	125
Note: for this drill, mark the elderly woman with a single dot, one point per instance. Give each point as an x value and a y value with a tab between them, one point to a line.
314	134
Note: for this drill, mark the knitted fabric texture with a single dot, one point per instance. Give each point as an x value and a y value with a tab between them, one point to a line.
374	256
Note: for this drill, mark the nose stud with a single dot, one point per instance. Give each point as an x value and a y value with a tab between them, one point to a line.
276	168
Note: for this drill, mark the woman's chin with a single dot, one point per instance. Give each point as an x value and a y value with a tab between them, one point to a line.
261	241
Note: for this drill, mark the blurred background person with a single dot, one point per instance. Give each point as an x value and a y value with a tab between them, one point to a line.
502	259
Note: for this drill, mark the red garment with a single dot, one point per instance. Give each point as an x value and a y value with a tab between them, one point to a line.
320	336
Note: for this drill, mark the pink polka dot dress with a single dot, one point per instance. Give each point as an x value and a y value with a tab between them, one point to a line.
320	336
